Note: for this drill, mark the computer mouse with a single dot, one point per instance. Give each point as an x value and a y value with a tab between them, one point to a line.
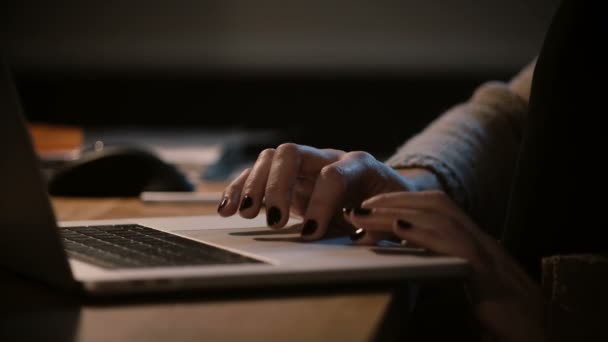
116	171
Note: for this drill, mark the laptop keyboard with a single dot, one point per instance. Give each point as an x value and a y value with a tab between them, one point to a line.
136	246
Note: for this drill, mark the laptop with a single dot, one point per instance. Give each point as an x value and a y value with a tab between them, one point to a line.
129	256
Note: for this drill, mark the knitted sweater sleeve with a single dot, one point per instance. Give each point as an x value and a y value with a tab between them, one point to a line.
473	147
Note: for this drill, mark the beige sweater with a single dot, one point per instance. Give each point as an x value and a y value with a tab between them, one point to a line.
473	148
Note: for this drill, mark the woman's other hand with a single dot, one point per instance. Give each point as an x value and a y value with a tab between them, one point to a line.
508	303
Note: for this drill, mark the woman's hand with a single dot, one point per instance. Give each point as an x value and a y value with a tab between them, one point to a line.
308	182
508	303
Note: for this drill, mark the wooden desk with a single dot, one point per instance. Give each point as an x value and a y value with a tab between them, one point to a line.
332	314
67	208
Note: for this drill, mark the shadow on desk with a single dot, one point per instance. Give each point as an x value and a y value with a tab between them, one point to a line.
362	312
33	312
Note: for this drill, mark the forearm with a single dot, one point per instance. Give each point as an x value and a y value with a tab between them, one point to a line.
422	179
472	148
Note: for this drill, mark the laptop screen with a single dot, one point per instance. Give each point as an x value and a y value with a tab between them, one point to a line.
29	240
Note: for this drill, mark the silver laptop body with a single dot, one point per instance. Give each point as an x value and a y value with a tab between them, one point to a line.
247	254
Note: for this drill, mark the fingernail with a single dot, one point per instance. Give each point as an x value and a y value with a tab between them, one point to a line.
222	204
346	211
247	202
403	224
309	227
362	211
359	233
273	216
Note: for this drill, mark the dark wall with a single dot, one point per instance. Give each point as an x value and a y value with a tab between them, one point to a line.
366	111
379	69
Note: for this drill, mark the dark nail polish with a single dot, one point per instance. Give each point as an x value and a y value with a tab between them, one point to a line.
403	224
362	211
309	227
222	204
246	203
346	211
359	233
273	216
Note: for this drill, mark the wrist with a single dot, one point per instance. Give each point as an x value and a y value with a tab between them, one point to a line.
422	179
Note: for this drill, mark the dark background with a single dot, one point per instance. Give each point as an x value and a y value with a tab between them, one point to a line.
347	74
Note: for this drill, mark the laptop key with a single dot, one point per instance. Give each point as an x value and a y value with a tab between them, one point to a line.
136	246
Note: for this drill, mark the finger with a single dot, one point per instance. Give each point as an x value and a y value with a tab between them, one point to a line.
369	238
330	188
282	178
431	229
362	237
291	163
425	200
381	220
418	235
441	235
300	196
255	185
400	199
377	223
229	203
313	160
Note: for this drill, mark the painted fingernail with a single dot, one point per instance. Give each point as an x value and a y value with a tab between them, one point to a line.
273	216
362	211
346	211
222	204
309	227
246	203
359	233
403	224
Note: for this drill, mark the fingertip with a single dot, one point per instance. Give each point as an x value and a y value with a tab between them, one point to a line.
310	230
246	203
227	207
366	203
224	212
247	212
346	213
222	203
401	228
275	218
358	237
276	226
371	201
370	237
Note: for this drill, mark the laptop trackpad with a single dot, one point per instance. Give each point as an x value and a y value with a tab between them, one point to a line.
266	242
